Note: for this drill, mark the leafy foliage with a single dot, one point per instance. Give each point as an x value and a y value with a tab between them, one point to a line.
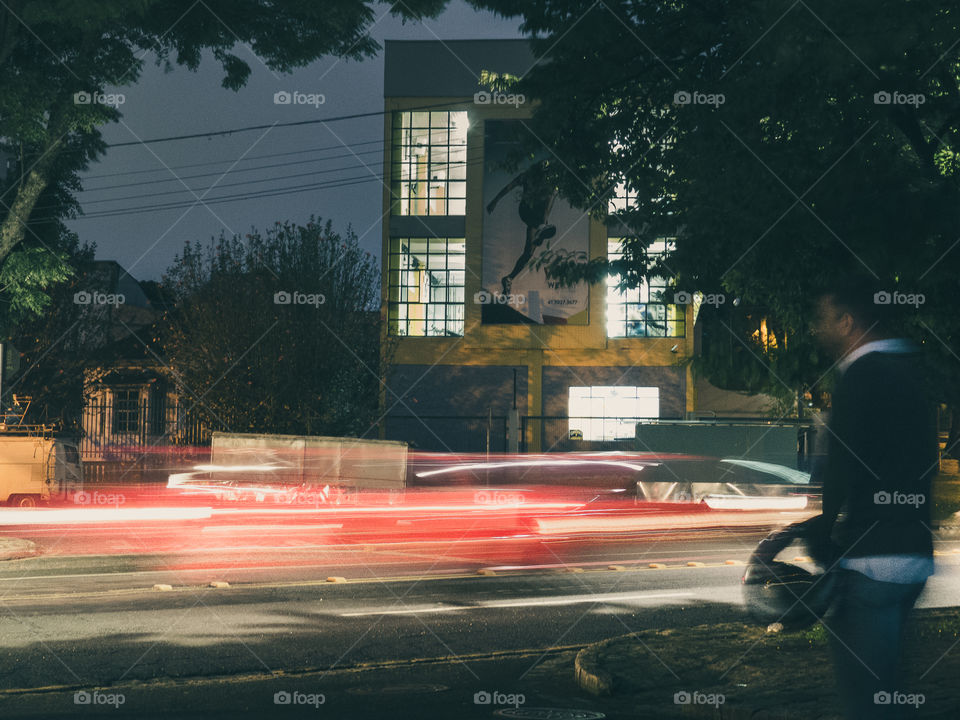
785	146
253	347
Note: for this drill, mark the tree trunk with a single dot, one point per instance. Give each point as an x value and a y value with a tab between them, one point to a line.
14	226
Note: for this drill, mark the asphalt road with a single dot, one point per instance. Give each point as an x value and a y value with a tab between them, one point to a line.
428	615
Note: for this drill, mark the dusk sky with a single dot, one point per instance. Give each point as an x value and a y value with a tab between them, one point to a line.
256	171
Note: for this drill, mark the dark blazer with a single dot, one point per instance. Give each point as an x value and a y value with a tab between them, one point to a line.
882	454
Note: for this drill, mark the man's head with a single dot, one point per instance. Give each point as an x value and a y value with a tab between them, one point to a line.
848	316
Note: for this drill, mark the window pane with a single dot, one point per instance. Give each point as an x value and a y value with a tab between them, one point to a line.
647	308
428	287
430	152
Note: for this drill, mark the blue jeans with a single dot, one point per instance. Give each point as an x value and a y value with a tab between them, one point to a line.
866	627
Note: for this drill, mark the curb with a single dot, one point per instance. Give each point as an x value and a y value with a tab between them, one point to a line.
587	669
15	549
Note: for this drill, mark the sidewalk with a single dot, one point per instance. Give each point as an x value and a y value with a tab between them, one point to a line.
739	671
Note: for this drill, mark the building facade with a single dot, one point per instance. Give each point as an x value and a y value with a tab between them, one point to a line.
473	325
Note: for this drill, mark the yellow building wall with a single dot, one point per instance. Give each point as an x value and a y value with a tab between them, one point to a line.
534	346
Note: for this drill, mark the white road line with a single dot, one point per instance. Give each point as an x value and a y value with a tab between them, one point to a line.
525	602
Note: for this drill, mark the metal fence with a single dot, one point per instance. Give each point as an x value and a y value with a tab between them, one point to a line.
782	442
545	433
453	433
118	431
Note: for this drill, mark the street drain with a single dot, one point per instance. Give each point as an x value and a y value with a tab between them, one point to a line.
549	714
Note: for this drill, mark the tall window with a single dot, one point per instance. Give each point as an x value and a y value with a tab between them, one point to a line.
126	410
426	277
644	311
429	166
610	412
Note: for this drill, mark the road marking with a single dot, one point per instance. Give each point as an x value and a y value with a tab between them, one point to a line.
523	602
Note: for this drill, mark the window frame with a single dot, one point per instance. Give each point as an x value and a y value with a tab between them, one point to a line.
632	308
441	174
412	273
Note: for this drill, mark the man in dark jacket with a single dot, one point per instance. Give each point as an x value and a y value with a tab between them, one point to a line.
881	456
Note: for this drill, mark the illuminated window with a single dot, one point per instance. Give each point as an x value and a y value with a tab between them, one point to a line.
426	287
429	166
642	311
126	411
611	412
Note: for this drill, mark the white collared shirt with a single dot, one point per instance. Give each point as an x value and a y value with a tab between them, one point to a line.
887	345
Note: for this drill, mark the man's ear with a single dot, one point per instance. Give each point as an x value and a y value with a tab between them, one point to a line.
846	323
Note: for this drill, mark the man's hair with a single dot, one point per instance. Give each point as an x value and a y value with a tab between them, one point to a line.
862	297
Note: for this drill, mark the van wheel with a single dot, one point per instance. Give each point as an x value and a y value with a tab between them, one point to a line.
23	501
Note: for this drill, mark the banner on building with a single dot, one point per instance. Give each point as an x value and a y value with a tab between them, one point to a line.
525	221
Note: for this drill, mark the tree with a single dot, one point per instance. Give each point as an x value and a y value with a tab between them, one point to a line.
784	146
60	346
277	332
57	58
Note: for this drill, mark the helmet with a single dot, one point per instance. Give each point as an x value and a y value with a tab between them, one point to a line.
775	591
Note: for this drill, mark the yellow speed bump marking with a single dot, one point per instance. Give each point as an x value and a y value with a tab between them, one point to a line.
656	566
694	563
